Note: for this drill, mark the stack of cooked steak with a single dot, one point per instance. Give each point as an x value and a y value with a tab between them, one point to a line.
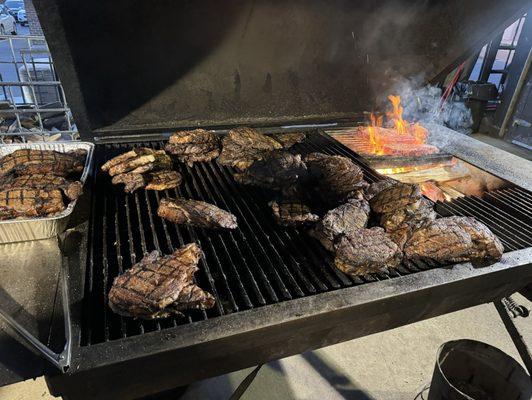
143	167
36	183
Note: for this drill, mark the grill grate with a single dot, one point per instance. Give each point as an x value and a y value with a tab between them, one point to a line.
257	264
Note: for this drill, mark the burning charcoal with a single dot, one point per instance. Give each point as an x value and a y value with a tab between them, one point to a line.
366	251
397	197
32	161
346	219
453	240
292	213
276	171
43	181
196	213
333	178
158	287
18	203
243	146
289	139
193	146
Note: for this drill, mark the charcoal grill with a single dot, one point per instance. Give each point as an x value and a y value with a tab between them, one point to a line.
276	289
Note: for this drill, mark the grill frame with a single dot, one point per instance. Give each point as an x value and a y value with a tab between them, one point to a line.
219	345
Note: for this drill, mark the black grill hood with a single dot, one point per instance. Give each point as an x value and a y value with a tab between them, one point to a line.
134	67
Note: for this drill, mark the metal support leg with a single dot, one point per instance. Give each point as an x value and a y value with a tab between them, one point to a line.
60	360
519	343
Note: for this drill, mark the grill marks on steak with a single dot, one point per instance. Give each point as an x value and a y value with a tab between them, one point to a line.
276	171
192	146
367	251
33	161
158	287
344	220
402	222
289	139
396	197
71	189
454	240
196	213
143	167
16	203
243	146
292	213
334	179
159	180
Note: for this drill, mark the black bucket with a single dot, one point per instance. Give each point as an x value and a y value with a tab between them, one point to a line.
471	370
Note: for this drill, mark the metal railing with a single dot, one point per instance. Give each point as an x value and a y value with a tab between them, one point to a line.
33	104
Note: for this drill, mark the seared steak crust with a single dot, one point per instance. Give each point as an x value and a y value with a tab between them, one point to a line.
158	287
334	178
158	180
276	171
243	146
377	187
72	189
292	213
32	161
289	139
346	219
402	222
15	203
396	197
196	213
193	146
454	240
366	251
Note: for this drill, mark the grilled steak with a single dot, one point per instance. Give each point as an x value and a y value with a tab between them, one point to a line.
196	213
159	180
277	170
193	146
30	203
454	240
396	197
289	139
292	213
343	220
32	161
162	180
242	146
334	178
138	161
158	287
402	222
47	182
366	251
377	187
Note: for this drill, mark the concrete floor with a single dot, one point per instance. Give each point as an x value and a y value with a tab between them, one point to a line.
393	365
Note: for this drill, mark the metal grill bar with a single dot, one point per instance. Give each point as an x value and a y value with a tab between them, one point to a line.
259	263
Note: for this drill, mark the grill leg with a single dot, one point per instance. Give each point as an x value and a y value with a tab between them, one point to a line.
514	333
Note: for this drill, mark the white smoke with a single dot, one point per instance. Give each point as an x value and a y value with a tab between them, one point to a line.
423	104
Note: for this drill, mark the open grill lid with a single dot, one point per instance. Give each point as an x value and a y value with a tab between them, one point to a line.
166	64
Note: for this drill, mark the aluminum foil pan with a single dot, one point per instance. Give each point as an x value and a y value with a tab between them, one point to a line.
19	230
